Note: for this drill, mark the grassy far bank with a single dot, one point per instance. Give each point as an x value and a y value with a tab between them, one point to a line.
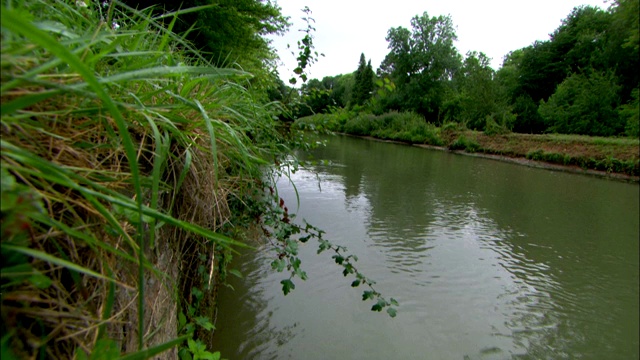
612	155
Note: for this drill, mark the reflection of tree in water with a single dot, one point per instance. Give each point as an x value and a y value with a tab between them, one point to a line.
384	178
567	255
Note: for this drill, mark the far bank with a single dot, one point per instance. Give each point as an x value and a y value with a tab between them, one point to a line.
616	158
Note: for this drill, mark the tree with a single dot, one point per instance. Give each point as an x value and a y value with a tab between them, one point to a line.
622	42
584	104
478	90
229	32
363	87
422	63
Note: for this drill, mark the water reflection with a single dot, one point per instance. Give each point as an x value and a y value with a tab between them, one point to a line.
488	260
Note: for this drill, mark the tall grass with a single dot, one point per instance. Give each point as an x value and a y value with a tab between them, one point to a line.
121	146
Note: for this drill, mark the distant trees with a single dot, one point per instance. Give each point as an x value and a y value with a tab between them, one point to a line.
584	104
422	63
576	81
583	80
477	93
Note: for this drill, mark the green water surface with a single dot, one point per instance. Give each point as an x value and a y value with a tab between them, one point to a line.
488	260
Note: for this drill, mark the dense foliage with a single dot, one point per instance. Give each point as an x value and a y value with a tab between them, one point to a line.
582	80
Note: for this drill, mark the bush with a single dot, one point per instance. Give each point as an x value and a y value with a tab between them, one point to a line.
584	104
360	125
631	112
499	123
462	143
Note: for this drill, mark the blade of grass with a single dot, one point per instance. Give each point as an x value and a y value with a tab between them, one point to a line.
36	254
11	20
155	350
59	175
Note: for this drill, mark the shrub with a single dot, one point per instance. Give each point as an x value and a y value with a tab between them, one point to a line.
462	143
360	125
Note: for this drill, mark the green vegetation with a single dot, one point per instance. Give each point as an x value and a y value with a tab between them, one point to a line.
133	167
363	86
613	155
582	81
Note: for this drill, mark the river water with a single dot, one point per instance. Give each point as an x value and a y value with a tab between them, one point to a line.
488	260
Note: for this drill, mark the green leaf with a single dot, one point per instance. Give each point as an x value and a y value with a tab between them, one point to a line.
205	323
278	265
367	295
235	273
184	354
287	286
348	269
196	347
40	281
339	259
379	305
324	245
131	216
391	311
355	283
394	302
182	320
105	349
301	274
19	272
197	293
295	262
292	247
54	260
79	354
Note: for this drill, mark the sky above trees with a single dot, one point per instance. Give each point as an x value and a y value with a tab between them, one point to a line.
345	29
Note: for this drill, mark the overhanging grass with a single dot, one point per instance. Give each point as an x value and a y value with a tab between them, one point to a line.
119	146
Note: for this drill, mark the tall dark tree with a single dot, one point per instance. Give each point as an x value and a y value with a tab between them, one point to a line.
363	87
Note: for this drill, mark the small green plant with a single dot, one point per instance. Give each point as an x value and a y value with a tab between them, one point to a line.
462	143
537	155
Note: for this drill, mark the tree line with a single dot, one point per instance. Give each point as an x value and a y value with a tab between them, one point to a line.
582	80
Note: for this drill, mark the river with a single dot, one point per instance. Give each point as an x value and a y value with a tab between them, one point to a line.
488	260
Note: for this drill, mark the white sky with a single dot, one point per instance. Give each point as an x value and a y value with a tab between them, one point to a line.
346	28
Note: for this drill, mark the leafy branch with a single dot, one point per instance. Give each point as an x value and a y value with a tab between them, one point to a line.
285	236
306	55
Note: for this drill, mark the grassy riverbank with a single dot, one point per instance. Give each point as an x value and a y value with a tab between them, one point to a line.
128	163
610	155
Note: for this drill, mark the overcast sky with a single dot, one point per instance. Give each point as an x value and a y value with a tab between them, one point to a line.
346	28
